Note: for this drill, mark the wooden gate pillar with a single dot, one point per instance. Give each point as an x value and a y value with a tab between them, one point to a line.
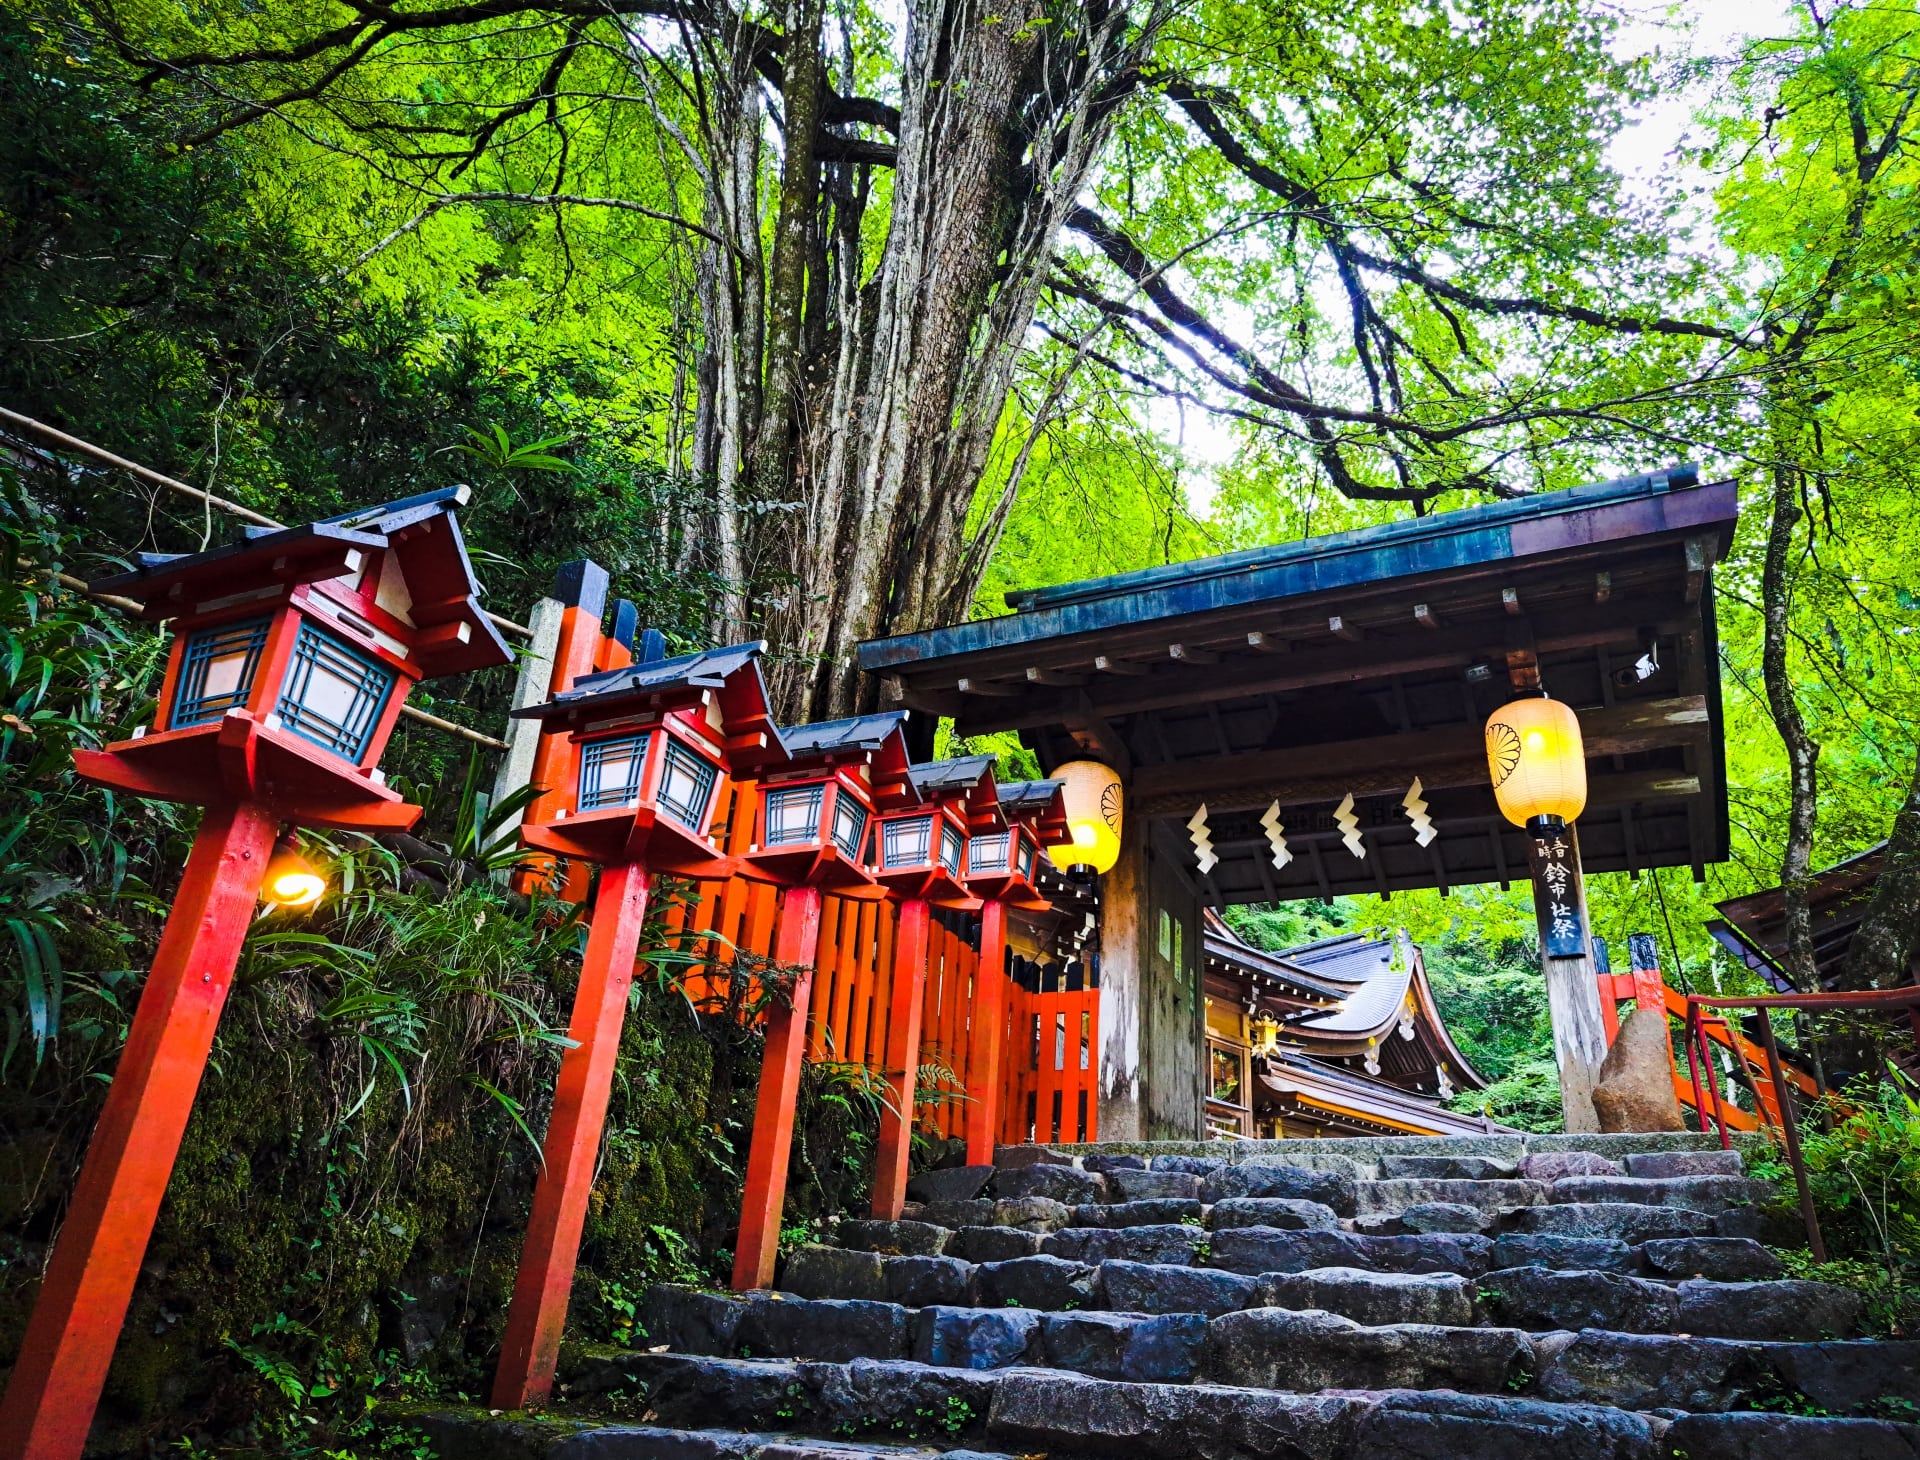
1566	960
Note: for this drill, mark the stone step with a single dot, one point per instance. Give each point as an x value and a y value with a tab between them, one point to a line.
1028	1410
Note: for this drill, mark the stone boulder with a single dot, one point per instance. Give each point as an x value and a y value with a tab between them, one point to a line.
1585	1254
1552	1165
1254	1250
1066	1184
834	1272
1130	1347
973	1338
1396	1196
1775	1310
1627	1221
956	1183
833	1330
1329	1188
1445	1168
1014	1157
1275	1348
1458	1252
1107	1165
899	1239
1539	1298
1151	1185
994	1244
1445	1216
1723	1259
1155	1212
1201	1166
688	1320
923	1282
1165	1244
1048	1284
1280	1212
1771	1436
1635	1089
1372	1297
1685	1163
1445	1426
1031	1213
975	1211
1139	1287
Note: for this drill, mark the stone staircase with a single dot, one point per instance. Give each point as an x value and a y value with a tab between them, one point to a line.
1494	1298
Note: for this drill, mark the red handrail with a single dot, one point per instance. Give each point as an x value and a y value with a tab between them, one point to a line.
1907	998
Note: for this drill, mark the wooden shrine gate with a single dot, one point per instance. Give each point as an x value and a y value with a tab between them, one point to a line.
1049	1065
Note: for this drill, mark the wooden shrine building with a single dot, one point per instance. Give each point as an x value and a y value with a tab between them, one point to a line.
1271	712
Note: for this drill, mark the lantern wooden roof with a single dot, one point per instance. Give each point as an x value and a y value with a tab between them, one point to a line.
877	741
726	681
1354	663
433	590
1041	805
967	779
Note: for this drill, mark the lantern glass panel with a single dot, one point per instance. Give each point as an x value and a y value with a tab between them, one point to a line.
907	842
849	825
333	693
1026	859
952	844
987	853
216	672
610	771
686	785
793	815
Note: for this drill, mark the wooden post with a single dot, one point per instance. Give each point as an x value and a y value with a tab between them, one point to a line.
989	1022
1125	952
89	1281
580	587
1566	959
903	1059
531	1345
764	1201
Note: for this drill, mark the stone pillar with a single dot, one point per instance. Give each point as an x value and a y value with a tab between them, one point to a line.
1124	932
1566	958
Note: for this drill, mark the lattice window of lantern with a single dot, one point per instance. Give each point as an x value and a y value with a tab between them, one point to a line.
610	771
333	693
849	825
952	844
793	815
216	672
988	853
686	785
907	842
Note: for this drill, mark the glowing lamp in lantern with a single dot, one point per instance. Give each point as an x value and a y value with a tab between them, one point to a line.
816	806
653	746
1004	865
920	851
1093	801
292	883
1538	764
292	652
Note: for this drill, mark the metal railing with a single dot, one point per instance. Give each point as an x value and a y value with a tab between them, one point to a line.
1699	1054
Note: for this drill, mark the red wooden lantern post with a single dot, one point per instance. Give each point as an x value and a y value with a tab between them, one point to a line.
650	745
812	832
1001	871
919	857
292	653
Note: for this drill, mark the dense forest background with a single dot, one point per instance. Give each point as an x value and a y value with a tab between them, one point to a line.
816	321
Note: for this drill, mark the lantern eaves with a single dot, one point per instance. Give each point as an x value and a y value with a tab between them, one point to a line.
880	739
441	592
966	778
1041	806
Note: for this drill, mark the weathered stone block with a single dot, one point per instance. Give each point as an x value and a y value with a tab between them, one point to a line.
1170	1348
1690	1193
691	1321
1254	1250
1031	1213
994	1244
1659	1164
1280	1212
898	1239
831	1329
1014	1157
1584	1254
1627	1221
1329	1188
1151	1185
1772	1436
1046	1283
1487	1196
1773	1310
1110	1164
1457	1252
834	1272
1372	1297
1446	1426
1552	1165
1066	1184
1173	1243
1848	1378
1201	1166
1539	1298
1650	1371
956	1183
973	1338
1137	1287
1445	1216
1445	1168
922	1282
1275	1348
1158	1211
1724	1259
974	1212
1087	1343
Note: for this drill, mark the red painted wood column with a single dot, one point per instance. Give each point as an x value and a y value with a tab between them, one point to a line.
531	1345
903	1058
89	1281
765	1199
989	1030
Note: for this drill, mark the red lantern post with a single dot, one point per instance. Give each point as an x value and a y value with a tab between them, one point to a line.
292	653
812	832
919	857
650	745
1002	867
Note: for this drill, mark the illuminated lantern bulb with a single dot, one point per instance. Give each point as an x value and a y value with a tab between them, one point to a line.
1091	793
1538	764
292	881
